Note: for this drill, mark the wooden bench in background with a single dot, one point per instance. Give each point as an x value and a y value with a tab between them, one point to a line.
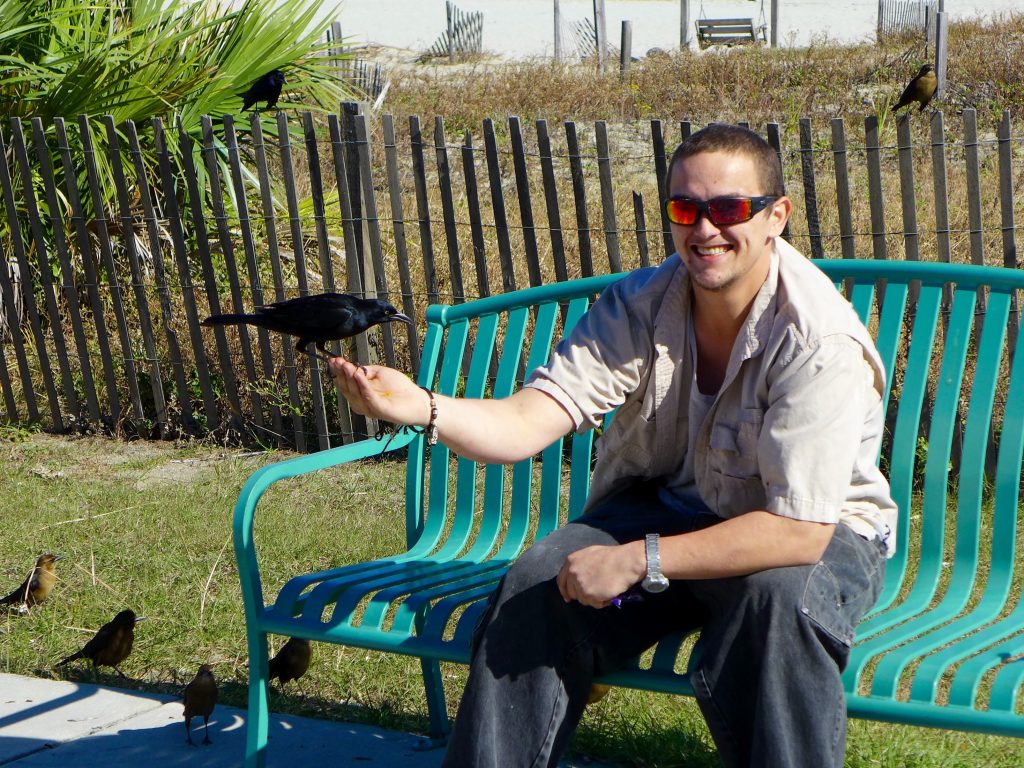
943	647
726	32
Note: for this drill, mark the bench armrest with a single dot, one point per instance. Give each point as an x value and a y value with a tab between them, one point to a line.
264	477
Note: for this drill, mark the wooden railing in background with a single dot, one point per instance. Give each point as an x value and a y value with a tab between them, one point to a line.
172	229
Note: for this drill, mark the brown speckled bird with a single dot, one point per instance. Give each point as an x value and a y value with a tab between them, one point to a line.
111	644
200	697
921	89
37	586
292	661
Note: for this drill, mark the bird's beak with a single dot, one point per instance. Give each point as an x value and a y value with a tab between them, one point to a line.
139	618
402	318
57	557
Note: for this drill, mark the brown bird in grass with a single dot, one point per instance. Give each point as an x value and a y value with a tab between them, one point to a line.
37	586
921	89
292	661
111	645
200	697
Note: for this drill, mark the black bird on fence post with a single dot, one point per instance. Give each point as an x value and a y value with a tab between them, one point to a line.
921	89
267	88
317	318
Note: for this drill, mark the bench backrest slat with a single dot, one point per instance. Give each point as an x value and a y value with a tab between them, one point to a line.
496	476
547	316
582	444
890	329
476	387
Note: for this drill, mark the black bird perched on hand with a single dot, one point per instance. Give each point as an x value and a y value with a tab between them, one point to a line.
200	697
317	319
292	661
37	586
111	645
267	88
921	89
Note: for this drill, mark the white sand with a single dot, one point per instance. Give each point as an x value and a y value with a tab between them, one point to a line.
524	28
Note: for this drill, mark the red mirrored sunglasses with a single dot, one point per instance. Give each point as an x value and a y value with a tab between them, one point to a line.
722	211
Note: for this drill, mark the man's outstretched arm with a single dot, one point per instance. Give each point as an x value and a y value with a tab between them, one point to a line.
494	431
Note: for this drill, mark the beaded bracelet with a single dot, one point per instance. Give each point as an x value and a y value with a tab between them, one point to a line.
431	427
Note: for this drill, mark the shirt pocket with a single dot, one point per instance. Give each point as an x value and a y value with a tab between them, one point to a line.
733	445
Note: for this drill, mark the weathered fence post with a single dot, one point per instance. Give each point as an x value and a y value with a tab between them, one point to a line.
941	46
558	33
684	24
625	47
600	32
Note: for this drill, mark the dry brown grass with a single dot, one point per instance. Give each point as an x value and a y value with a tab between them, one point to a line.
745	83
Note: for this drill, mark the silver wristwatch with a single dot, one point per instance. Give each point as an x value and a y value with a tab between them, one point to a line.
655	580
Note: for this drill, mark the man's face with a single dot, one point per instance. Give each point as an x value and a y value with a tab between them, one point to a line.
733	258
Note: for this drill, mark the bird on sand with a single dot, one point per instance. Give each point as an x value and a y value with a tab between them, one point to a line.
37	585
200	697
317	318
111	644
266	88
292	661
921	89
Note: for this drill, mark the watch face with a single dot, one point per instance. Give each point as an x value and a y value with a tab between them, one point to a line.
655	584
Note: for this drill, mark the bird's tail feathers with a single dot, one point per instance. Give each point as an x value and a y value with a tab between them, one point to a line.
69	659
230	319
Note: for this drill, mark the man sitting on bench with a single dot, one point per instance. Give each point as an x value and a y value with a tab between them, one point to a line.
736	490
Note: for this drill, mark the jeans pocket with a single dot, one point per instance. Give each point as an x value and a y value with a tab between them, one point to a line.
844	585
823	604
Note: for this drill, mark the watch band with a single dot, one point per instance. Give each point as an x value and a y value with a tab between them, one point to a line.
655	580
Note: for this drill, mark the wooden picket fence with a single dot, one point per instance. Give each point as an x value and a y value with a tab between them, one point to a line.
464	35
113	342
906	17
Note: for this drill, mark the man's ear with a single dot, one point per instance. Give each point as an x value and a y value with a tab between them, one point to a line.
779	214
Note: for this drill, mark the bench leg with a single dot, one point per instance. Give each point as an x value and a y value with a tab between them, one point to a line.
257	724
437	707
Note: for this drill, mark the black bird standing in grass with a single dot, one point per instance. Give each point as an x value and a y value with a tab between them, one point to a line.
111	645
921	89
37	586
200	697
267	88
292	661
317	319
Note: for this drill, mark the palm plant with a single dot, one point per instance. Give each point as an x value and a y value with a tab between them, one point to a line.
171	59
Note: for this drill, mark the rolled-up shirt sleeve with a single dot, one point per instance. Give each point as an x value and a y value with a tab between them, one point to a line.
814	428
601	361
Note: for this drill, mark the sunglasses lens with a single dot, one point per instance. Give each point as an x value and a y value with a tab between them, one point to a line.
682	211
730	210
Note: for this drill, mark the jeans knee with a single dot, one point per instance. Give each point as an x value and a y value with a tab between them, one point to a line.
539	563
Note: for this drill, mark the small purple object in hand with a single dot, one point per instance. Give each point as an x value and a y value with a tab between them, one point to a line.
631	595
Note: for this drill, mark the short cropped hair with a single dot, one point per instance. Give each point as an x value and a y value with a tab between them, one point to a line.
733	139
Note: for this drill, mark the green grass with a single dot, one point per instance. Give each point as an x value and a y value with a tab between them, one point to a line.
147	526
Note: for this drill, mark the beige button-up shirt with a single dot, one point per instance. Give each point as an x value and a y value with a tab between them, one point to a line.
795	428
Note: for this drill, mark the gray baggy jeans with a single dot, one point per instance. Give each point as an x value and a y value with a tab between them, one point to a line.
771	649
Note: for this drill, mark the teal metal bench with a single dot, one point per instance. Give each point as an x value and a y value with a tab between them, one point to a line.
943	647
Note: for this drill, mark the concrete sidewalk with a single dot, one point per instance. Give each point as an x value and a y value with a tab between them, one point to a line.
61	724
58	723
